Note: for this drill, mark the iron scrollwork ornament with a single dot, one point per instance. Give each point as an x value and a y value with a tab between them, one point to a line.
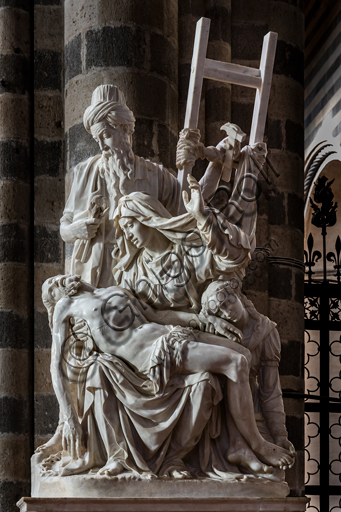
311	257
325	215
336	258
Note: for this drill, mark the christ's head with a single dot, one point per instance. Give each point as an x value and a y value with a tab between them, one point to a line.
56	288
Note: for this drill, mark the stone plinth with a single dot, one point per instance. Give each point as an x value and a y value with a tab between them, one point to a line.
83	486
163	504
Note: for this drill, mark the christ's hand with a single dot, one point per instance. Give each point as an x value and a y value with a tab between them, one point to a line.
73	438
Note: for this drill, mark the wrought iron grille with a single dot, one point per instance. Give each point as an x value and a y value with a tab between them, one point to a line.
323	361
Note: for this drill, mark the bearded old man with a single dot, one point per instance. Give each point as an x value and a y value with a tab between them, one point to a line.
102	180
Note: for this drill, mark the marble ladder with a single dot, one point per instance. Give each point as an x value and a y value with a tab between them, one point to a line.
259	79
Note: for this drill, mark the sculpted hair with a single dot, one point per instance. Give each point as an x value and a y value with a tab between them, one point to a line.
68	285
50	305
210	296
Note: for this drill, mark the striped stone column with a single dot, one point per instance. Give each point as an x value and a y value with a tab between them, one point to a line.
133	45
16	290
49	197
218	94
276	287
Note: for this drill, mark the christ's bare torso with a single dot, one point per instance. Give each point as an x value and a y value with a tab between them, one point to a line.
117	326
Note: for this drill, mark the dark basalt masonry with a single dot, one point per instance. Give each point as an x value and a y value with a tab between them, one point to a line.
52	56
49	184
16	276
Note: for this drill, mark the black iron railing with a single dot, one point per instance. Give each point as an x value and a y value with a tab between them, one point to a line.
323	359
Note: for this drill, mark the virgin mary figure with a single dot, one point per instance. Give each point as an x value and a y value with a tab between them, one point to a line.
167	261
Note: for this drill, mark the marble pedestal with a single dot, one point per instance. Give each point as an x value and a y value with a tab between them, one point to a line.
87	486
128	486
175	504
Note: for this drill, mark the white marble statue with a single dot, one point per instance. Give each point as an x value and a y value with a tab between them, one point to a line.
222	302
167	261
149	393
111	175
116	172
161	366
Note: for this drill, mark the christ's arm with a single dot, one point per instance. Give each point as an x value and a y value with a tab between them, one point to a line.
72	431
166	316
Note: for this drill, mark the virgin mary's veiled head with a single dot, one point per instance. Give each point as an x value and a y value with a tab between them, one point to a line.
150	213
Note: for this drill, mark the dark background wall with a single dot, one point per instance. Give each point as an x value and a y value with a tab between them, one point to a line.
276	286
16	272
49	195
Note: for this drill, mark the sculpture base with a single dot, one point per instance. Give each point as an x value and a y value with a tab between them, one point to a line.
84	486
162	504
129	485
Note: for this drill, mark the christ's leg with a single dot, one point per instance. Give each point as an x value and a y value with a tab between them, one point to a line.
239	452
217	359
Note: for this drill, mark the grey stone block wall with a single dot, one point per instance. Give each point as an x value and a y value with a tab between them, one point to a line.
49	196
135	46
277	288
15	252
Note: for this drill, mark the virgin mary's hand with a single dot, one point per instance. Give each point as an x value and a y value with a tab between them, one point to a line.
195	206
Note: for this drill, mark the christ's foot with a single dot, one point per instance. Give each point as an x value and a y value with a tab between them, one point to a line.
245	458
178	471
180	474
274	455
284	442
113	468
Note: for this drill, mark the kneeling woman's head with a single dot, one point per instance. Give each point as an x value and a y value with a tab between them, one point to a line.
141	221
138	234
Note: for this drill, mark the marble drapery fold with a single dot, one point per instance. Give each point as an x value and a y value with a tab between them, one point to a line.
196	254
88	183
126	421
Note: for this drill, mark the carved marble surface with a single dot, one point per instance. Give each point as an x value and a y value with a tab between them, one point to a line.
162	368
202	504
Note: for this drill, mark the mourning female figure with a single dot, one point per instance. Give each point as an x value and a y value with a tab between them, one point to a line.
167	261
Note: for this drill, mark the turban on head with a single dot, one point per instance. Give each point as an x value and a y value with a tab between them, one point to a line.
108	101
